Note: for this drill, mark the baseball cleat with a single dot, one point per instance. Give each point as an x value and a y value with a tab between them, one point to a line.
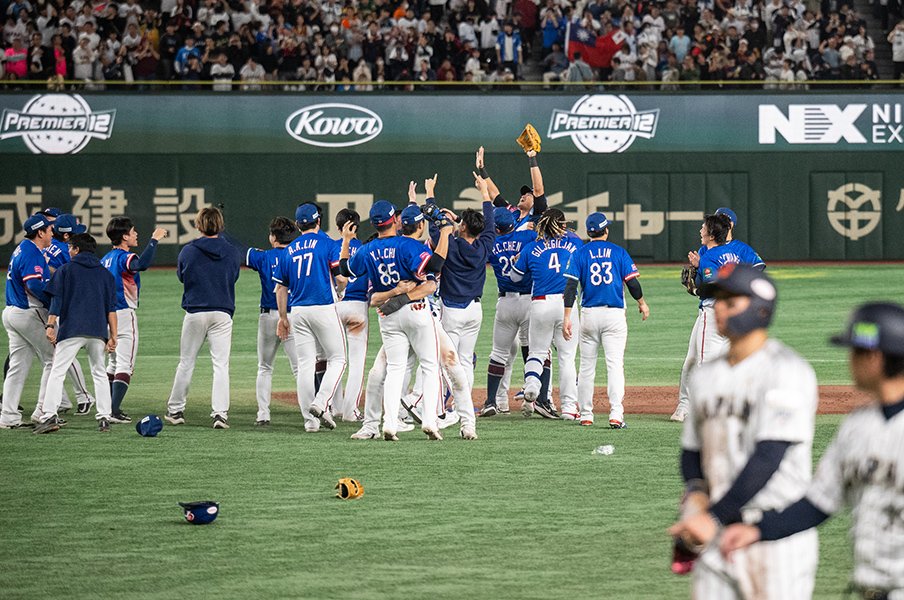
570	416
546	411
679	415
468	433
49	426
527	409
64	409
447	420
365	434
120	418
520	395
312	428
262	423
219	422
531	395
433	434
586	422
411	408
390	436
326	419
403	427
176	418
489	410
103	425
503	407
617	424
19	425
84	408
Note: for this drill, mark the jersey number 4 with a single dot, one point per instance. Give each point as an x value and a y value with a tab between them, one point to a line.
554	264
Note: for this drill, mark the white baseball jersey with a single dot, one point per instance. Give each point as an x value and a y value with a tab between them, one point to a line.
862	467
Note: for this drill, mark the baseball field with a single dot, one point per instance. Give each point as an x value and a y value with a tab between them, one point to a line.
524	512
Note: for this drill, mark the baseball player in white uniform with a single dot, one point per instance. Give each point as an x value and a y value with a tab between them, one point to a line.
746	447
603	270
862	467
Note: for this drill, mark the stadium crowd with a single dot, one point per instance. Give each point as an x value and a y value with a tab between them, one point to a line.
354	44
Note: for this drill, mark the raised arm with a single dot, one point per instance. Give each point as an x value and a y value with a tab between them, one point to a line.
495	196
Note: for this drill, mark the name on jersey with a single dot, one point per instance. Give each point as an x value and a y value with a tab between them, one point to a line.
730	257
600	253
723	408
870	470
561	243
382	253
507	246
303	244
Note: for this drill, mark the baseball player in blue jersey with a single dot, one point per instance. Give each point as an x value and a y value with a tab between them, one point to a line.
306	289
861	468
545	260
282	233
532	201
706	343
208	268
603	270
512	306
748	255
353	315
83	299
126	266
25	318
386	261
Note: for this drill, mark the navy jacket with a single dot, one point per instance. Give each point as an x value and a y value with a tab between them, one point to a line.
82	293
465	269
208	269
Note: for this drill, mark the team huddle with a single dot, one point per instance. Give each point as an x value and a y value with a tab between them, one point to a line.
747	402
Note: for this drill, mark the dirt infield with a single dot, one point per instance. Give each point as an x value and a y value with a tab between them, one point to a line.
660	400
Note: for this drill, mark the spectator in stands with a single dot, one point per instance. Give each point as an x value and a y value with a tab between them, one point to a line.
554	64
188	50
579	70
84	59
222	73
508	49
896	39
680	44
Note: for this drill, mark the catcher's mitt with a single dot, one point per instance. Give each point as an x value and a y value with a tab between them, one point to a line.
529	139
349	489
688	279
686	550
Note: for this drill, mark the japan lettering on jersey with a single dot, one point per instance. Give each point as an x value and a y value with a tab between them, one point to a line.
748	255
305	270
505	251
710	262
128	284
356	289
264	262
546	261
26	263
602	269
387	261
57	254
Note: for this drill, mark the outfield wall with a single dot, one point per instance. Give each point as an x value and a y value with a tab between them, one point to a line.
815	176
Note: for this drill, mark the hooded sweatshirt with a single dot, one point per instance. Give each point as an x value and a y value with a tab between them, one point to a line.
82	294
208	269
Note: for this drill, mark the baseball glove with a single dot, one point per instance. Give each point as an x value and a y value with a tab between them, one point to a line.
529	139
686	550
349	489
688	279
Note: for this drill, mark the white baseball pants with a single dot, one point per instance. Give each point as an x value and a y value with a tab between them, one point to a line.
373	391
414	327
27	339
456	377
317	327
63	358
607	327
776	570
354	318
546	317
268	344
123	359
463	326
216	327
521	341
706	344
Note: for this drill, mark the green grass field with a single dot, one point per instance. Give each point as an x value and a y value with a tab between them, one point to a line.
524	512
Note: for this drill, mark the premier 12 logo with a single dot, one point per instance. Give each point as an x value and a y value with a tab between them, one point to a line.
57	124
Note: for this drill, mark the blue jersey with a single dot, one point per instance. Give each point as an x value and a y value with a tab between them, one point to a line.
601	268
304	268
546	260
748	255
27	263
505	250
387	261
356	289
710	262
57	254
128	283
265	262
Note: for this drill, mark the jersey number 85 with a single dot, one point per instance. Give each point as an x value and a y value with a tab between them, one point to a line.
389	275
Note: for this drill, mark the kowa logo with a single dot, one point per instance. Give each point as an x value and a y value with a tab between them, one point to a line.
334	125
830	124
57	124
603	123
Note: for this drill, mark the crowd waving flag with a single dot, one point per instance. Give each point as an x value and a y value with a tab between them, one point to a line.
596	51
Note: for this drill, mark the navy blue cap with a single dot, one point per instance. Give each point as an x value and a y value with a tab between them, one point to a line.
724	210
35	222
68	224
382	212
51	211
875	326
149	426
200	513
597	222
526	189
504	218
740	280
412	214
306	214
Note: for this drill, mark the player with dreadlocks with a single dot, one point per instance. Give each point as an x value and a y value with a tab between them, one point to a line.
545	260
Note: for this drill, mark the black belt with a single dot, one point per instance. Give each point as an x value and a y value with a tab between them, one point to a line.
266	311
